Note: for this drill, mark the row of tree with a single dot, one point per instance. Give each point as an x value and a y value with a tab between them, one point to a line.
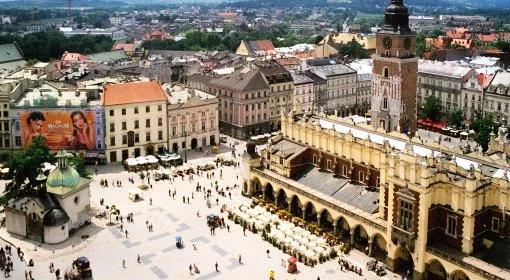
203	41
44	46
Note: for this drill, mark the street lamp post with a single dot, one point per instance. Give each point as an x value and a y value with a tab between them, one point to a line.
185	146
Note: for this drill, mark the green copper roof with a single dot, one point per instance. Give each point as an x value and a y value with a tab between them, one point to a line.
66	177
9	53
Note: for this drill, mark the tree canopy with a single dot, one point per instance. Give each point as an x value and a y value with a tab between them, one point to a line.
51	44
432	108
24	167
203	41
455	118
483	125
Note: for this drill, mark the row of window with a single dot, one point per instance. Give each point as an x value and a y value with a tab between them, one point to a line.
193	128
113	141
437	82
341	82
451	225
489	104
136	124
135	110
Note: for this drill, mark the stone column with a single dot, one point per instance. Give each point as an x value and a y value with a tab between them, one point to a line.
335	230
370	247
319	220
352	236
304	212
264	194
276	201
289	202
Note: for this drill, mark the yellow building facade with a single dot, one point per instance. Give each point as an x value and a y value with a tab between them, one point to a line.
424	211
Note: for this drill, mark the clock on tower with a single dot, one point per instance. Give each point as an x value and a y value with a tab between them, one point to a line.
395	73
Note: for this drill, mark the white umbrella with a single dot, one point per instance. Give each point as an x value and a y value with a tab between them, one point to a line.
292	226
305	233
287	240
267	214
280	235
321	241
251	221
310	254
298	230
289	232
319	250
294	244
243	208
259	225
302	249
312	237
274	217
303	240
312	244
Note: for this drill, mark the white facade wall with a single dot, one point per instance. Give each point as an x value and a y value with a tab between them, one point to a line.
76	211
54	235
16	223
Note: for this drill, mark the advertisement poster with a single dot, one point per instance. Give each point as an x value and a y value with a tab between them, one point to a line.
69	130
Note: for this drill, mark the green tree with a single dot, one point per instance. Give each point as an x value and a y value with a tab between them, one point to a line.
483	125
352	50
455	118
432	108
79	164
24	167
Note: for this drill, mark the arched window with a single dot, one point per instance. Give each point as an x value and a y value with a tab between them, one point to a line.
385	103
386	72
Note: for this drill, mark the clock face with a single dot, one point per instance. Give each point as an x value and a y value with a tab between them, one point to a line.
407	43
386	42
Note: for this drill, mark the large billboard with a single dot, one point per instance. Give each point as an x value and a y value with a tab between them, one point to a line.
70	130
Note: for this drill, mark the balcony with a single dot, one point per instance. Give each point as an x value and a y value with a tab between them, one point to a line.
401	236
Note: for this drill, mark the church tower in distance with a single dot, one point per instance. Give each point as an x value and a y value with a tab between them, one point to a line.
395	73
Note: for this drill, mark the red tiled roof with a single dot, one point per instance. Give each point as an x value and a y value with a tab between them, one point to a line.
487	38
68	56
484	79
261	45
135	92
124	47
288	61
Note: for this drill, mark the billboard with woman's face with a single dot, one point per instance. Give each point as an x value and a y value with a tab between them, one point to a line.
69	130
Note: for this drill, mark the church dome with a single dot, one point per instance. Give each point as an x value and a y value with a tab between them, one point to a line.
63	175
55	217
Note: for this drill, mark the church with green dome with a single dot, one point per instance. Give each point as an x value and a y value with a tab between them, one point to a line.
52	216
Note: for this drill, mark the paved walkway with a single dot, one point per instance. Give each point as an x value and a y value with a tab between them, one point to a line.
106	246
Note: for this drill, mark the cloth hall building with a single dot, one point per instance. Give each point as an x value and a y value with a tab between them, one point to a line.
414	206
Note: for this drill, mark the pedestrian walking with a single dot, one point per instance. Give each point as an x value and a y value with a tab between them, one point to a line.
190	269
57	273
126	232
240	261
150	201
138	259
228	228
123	263
51	267
216	266
267	252
198	213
